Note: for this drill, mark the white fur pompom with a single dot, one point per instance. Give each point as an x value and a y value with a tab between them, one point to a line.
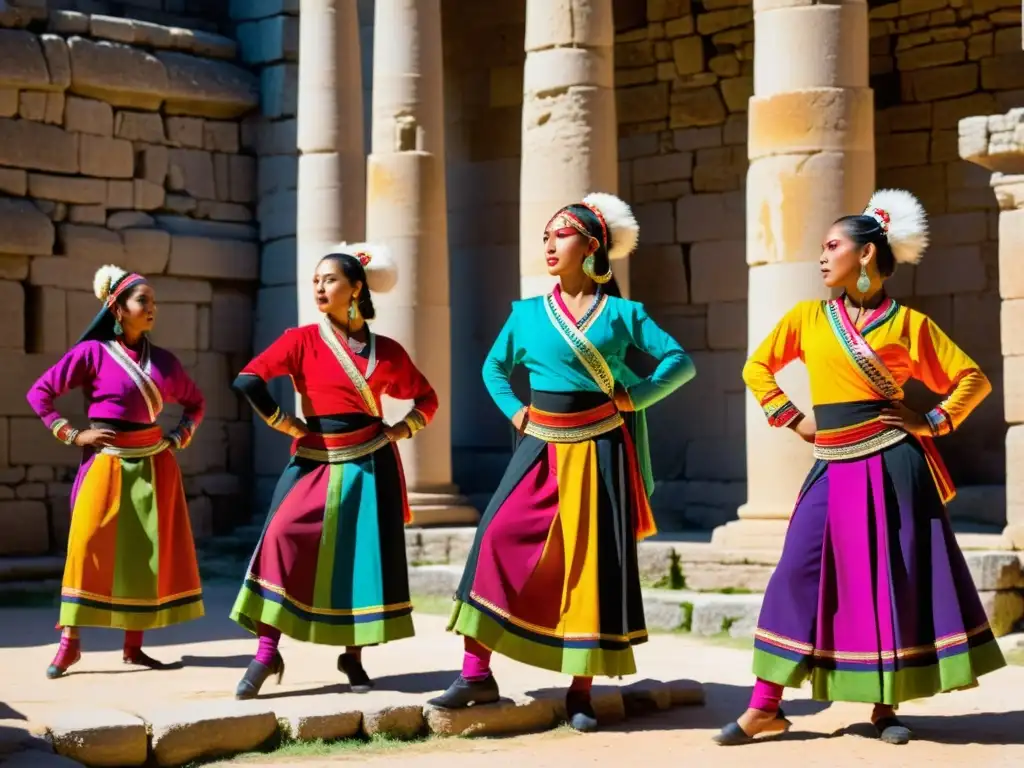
381	271
907	230
622	225
105	278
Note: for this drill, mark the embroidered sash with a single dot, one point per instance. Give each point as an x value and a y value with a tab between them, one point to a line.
348	365
140	374
874	371
595	364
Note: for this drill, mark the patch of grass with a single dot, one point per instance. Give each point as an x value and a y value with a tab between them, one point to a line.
675	578
432	604
288	749
732	591
687	623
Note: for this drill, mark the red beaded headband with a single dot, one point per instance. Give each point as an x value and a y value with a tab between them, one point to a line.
580	227
882	217
122	285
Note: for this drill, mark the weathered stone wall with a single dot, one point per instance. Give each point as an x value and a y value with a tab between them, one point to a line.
119	143
204	15
484	60
684	74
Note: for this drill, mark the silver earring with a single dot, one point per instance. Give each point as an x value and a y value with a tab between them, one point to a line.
863	282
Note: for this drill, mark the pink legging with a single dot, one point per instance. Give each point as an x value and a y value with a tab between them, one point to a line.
766	696
476	665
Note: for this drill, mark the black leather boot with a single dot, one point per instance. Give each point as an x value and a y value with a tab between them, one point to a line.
352	668
464	693
249	686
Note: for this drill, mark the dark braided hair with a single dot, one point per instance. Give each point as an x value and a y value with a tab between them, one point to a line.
864	229
595	229
354	272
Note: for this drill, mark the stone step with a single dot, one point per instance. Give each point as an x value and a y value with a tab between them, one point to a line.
204	730
30	568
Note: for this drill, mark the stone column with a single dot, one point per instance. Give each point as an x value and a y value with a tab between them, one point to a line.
332	169
570	135
407	209
811	150
997	143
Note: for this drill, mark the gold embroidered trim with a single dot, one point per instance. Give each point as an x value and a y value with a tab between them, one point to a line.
864	448
140	374
574	434
342	455
328	611
136	453
345	361
545	631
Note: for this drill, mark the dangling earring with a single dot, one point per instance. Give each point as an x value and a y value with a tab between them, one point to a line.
589	271
863	282
118	329
353	311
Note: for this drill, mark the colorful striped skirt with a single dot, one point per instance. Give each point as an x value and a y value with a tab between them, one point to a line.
131	560
552	578
330	566
872	600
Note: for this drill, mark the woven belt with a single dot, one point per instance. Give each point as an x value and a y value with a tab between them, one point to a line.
856	441
341	448
573	427
137	444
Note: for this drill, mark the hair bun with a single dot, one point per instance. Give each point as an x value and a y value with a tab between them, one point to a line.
380	268
623	230
106	278
907	226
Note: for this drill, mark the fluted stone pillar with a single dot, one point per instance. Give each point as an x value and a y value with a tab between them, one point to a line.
570	139
995	142
406	208
811	150
332	166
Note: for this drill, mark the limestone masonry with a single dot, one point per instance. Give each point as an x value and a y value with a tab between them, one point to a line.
171	136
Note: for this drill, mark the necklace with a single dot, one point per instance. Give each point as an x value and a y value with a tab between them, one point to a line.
590	310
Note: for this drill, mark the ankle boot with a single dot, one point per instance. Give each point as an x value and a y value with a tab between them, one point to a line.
463	693
352	667
257	673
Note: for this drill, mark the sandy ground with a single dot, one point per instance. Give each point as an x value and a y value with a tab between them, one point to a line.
972	727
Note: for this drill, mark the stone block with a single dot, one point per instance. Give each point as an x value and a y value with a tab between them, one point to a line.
152	163
96	736
173	289
13	267
112	28
951	270
13	182
277	214
995	570
147	127
54	112
642	103
402	722
735	617
718	272
814	120
899	149
1011	243
209	730
24	229
183	225
220	136
260	9
88	116
279	91
177	325
213	259
1011	326
49	316
60	272
184	132
12	315
26	532
656	219
659	168
320	719
709	217
277	264
69	23
154	35
696	107
38	147
191	171
120	75
120	194
68	190
269	40
205	88
8	102
207	209
87	214
280	137
32	105
935	55
942	82
93	245
147	195
727	325
106	157
1003	72
147	252
524	714
658	275
646	696
180	203
1004	609
242	175
221	175
22	63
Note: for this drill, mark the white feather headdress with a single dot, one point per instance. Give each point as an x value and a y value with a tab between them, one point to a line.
106	278
624	232
381	270
904	222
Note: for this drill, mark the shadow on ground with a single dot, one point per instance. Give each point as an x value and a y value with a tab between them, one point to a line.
415	682
30	627
995	728
8	712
